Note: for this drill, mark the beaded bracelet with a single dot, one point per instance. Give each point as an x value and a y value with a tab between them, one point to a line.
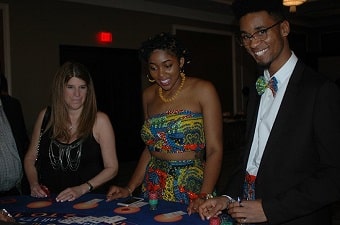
204	196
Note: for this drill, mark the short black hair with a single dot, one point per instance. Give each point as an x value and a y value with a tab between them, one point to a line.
273	7
163	41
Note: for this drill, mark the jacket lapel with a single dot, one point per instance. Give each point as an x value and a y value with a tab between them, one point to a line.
286	113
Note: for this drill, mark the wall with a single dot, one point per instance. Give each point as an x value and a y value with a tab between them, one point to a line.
38	27
329	65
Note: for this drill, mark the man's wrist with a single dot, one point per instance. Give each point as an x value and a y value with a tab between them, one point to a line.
229	200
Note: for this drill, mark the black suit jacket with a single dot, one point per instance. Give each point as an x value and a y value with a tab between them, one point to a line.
14	114
299	174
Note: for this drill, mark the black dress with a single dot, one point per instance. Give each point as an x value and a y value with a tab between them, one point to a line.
66	165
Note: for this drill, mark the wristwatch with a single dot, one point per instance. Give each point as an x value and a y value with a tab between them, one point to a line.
90	186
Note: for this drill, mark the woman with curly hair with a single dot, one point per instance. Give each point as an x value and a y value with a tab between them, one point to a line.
182	129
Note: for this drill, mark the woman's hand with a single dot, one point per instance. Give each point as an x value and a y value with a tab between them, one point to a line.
39	191
212	207
117	192
72	193
194	205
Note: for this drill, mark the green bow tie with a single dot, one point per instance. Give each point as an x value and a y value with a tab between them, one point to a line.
262	84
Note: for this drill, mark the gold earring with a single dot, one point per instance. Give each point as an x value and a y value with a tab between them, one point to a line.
181	72
150	80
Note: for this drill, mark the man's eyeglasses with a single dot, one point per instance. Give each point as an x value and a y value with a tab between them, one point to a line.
259	35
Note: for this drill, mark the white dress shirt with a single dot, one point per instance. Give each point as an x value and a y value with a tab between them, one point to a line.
269	106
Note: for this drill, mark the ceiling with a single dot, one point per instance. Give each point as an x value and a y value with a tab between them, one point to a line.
316	14
320	15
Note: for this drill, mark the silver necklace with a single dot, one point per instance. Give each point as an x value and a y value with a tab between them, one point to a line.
65	156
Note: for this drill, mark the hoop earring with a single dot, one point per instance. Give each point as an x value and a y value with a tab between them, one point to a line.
150	80
181	72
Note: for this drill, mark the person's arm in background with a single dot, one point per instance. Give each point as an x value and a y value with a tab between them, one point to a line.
15	116
14	113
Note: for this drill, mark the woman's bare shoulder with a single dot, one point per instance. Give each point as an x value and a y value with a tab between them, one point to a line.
101	119
200	85
149	93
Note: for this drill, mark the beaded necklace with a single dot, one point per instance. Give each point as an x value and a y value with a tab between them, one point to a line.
160	91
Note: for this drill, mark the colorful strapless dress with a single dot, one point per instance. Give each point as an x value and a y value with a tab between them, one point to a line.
174	132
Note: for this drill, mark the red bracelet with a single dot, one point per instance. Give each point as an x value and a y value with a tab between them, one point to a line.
205	196
194	196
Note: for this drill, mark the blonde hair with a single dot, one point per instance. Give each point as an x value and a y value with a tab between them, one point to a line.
59	115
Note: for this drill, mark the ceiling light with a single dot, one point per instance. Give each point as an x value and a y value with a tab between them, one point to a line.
292	4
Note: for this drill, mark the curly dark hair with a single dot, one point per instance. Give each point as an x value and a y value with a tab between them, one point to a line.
163	41
273	7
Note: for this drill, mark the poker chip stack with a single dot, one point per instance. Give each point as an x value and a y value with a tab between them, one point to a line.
153	200
214	220
226	220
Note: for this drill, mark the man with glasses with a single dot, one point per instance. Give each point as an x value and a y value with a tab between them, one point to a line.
290	172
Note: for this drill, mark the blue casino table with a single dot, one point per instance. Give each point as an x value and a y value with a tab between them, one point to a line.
93	209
